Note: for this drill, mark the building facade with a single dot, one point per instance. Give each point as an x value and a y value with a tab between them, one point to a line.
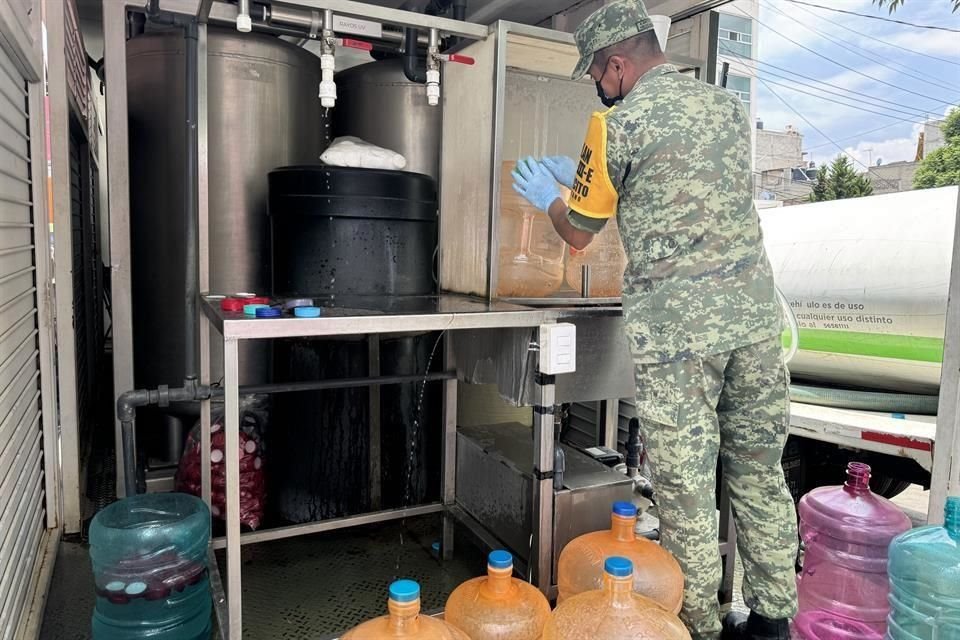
737	46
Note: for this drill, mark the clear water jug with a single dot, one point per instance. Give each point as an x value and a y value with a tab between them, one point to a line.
149	555
614	613
404	619
925	581
607	261
846	531
656	574
498	606
531	252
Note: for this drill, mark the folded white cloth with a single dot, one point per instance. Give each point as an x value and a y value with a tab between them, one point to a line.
354	152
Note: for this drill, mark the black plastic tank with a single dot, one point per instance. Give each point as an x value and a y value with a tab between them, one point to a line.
339	233
348	231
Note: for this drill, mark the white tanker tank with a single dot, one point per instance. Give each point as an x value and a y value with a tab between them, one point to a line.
867	280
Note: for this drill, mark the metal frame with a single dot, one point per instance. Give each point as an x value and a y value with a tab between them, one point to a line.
59	111
945	478
234	329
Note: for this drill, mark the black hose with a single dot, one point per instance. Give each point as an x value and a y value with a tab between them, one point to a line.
411	61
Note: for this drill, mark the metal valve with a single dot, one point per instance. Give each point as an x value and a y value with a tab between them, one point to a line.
434	59
328	44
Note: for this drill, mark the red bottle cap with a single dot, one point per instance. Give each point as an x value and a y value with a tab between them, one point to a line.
232	305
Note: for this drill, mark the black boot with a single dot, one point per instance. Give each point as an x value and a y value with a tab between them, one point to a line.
737	626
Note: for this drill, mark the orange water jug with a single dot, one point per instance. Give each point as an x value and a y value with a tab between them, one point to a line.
615	612
530	264
607	261
404	620
498	606
657	574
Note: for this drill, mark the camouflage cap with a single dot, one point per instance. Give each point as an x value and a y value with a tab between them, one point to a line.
607	26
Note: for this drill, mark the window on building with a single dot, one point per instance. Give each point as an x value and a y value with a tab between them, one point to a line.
740	85
736	36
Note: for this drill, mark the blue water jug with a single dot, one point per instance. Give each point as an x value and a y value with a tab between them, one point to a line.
925	581
149	556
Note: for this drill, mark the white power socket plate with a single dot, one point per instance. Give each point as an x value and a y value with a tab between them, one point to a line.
558	348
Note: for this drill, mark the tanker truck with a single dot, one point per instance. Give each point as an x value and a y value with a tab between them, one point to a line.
866	283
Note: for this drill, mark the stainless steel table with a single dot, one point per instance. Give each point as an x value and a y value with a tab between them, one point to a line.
343	316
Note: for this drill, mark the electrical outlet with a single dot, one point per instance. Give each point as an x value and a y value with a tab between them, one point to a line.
558	348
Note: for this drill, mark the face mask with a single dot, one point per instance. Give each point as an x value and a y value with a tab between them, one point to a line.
608	101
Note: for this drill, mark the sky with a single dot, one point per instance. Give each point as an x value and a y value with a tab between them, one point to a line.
904	87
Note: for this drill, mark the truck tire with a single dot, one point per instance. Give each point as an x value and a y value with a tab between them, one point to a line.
886	486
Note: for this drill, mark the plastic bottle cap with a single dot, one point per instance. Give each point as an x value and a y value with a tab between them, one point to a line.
268	312
251	309
116	586
404	591
500	560
625	509
233	305
618	567
307	312
258	300
135	588
298	302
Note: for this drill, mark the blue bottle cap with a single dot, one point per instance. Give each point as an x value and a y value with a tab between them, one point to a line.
624	509
269	312
251	309
404	591
618	567
307	312
500	560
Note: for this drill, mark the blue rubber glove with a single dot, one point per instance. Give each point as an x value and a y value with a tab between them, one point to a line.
535	183
563	168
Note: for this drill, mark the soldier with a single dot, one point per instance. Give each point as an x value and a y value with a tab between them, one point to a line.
672	161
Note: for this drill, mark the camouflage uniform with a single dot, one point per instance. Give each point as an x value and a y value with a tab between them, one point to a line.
702	318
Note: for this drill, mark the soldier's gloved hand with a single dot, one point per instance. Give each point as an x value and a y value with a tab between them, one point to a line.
563	168
535	183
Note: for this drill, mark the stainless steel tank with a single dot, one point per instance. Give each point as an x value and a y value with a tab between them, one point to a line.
263	114
377	103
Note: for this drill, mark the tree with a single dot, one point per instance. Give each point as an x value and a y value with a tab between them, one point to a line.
820	189
941	168
893	5
840	181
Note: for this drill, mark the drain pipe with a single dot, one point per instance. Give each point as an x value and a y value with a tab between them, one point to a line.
127	405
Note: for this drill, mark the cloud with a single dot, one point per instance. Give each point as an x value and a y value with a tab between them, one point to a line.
890	150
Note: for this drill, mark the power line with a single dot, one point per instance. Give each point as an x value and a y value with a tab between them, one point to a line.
840	64
896	106
844	104
859	135
814	127
878	40
864	15
871	58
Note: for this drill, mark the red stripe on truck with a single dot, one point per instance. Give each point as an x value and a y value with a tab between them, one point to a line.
898	441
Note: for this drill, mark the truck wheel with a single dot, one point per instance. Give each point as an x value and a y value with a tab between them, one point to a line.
886	486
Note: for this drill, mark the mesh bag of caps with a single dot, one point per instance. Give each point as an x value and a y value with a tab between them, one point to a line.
254	412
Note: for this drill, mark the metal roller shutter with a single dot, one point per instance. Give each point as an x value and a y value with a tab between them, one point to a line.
22	498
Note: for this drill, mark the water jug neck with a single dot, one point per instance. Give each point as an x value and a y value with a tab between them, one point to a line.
858	478
404	617
952	518
499	582
623	528
620	590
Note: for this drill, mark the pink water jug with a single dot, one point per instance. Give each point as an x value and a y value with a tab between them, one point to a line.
843	587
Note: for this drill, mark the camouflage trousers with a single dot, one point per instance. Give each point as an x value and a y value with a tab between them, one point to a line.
733	406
